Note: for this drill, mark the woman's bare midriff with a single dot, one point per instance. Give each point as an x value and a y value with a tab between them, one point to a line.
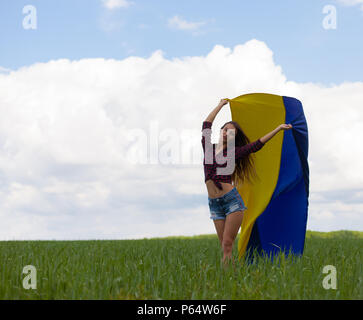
214	192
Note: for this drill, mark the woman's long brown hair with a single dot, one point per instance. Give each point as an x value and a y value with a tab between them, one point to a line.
244	167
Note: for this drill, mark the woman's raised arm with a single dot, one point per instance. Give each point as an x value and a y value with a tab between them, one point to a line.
268	136
215	111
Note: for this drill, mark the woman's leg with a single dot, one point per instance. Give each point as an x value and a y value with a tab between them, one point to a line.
219	224
232	224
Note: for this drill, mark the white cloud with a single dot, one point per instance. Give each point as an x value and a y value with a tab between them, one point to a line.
4	70
115	4
109	20
63	143
351	3
181	24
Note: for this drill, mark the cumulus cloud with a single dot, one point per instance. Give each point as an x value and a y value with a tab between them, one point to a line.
4	70
110	19
352	3
70	131
115	4
179	23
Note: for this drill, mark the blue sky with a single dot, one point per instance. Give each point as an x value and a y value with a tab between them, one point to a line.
87	29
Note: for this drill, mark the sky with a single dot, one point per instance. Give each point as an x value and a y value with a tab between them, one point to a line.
79	78
116	29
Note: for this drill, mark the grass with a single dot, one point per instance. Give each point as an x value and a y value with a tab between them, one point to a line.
178	268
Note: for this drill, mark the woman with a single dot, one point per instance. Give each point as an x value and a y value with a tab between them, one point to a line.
225	203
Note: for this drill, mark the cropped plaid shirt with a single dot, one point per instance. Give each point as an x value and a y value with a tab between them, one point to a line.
210	166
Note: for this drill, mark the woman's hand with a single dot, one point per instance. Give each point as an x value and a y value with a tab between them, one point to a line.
285	126
223	102
268	136
214	112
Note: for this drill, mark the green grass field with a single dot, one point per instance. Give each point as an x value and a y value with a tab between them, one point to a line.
178	268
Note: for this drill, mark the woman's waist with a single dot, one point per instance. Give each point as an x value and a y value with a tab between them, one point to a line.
215	192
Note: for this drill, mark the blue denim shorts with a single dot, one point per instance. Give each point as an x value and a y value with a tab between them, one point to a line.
228	203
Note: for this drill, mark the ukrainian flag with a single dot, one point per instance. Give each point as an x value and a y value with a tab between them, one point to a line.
277	202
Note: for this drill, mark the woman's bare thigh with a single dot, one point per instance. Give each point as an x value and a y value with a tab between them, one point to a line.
232	225
219	225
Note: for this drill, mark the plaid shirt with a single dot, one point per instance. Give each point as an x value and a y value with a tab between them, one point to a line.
210	169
